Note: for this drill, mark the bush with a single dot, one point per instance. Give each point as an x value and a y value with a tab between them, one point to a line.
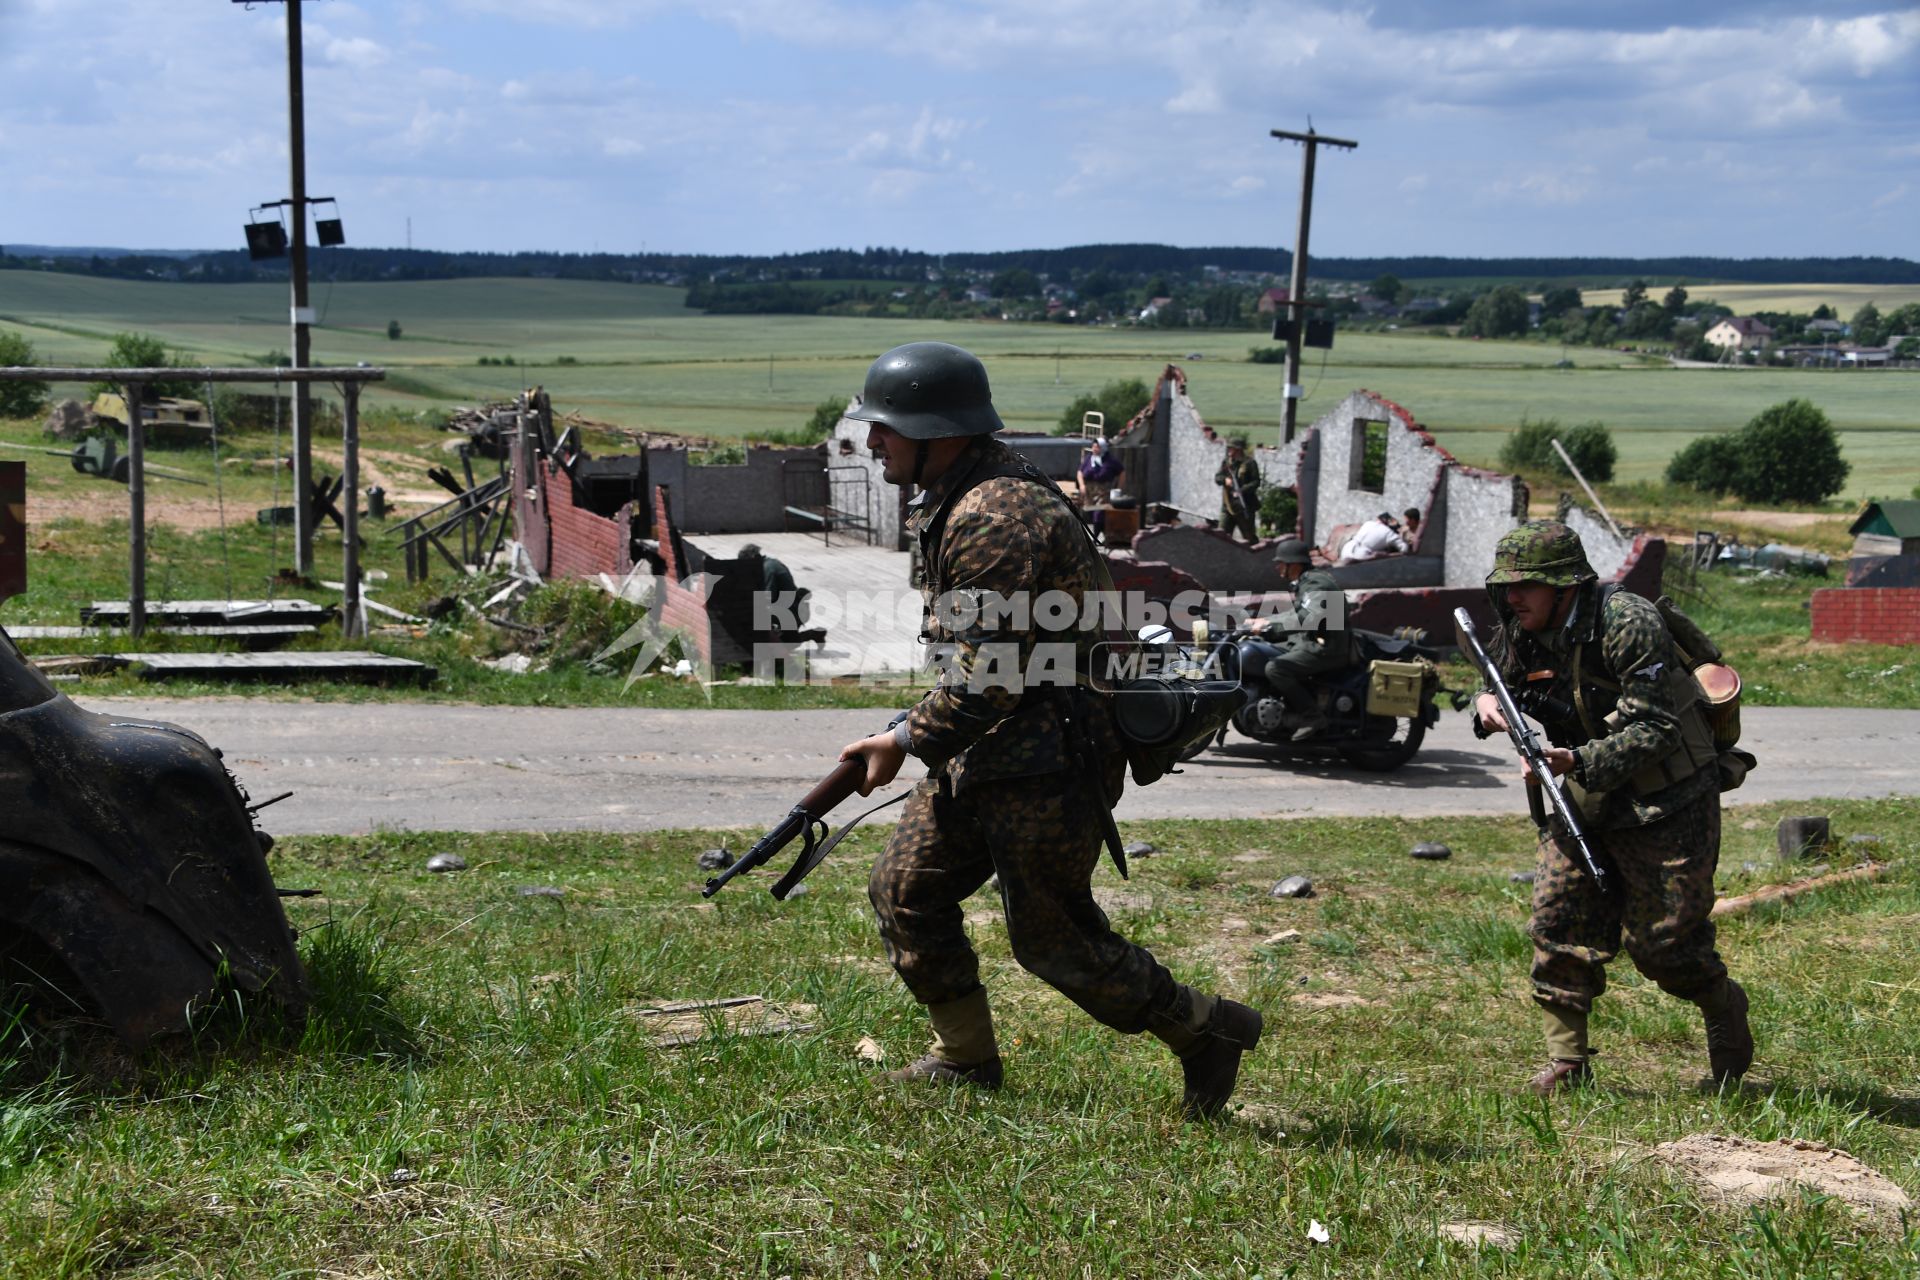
1790	453
1707	464
1590	445
1266	355
393	331
1118	400
1279	511
1787	453
144	351
20	399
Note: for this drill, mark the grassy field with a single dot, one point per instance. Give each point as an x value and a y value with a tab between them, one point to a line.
640	359
475	1094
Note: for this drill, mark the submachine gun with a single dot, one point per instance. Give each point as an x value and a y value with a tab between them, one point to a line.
1527	741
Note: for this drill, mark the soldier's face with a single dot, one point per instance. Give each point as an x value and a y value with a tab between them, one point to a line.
893	451
1533	604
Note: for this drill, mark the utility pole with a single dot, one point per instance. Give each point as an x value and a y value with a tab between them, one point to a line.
301	313
1296	291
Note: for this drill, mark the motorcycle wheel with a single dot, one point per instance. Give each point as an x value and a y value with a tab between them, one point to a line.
1385	753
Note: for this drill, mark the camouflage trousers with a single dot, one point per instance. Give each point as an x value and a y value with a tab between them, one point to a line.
1041	837
1660	901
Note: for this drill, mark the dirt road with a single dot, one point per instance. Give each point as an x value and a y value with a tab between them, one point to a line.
357	768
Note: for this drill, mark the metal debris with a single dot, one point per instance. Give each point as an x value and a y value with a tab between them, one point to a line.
1139	849
714	860
539	891
441	862
1292	887
1431	851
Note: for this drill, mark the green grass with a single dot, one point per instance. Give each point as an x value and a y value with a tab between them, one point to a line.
644	361
486	1043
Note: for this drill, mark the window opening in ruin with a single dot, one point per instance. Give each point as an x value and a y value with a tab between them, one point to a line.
1369	465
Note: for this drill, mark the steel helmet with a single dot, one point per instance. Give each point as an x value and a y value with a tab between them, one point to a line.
928	391
1291	551
1540	551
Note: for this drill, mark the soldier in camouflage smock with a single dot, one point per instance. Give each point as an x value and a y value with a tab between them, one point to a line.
1024	763
1597	667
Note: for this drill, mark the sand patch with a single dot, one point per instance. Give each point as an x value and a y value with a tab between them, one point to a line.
1740	1172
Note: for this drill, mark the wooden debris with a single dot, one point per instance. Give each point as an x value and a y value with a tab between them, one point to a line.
1781	892
687	1021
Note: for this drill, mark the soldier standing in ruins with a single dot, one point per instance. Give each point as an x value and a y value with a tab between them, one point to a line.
1239	481
1021	779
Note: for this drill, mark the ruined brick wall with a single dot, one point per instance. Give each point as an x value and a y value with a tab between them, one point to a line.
847	447
1479	509
1606	551
1413	472
583	543
1867	615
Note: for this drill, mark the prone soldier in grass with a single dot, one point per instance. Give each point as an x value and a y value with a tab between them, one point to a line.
1599	669
1022	775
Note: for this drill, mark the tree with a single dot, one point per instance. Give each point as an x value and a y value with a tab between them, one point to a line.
1386	288
1500	313
1790	453
1868	327
1559	300
826	416
1676	300
1590	445
1708	464
1118	401
20	399
1016	282
144	351
1634	295
393	330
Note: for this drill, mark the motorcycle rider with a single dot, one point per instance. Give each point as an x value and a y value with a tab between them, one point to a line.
1317	642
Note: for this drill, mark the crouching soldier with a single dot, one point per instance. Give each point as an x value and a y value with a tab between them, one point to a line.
1596	666
1020	780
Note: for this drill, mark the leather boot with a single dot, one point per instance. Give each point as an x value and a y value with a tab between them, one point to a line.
1729	1038
1568	1066
964	1050
1208	1034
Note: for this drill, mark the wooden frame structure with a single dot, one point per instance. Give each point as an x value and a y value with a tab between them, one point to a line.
353	616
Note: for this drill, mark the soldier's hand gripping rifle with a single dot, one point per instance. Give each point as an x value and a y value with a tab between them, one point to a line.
1239	494
1527	742
806	822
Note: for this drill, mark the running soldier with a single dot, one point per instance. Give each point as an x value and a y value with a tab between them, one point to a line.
1021	777
1597	667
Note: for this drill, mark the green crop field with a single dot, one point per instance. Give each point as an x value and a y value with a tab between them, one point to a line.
634	356
1747	298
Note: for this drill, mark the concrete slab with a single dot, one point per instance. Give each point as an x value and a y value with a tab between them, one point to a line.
862	596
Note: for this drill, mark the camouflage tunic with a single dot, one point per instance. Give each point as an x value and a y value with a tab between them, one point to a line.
1658	834
994	802
994	713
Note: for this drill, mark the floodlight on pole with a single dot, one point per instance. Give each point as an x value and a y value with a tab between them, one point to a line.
265	238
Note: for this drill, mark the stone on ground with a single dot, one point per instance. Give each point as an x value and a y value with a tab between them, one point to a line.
1740	1172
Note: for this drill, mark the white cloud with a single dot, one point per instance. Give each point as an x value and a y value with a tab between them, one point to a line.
1887	200
622	147
925	144
1246	184
1413	183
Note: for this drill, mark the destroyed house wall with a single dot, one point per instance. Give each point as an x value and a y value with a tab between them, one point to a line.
1607	551
749	497
847	447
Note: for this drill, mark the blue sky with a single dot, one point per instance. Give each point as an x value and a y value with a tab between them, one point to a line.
1487	127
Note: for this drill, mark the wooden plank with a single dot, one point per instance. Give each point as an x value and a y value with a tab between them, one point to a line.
255	635
343	665
210	612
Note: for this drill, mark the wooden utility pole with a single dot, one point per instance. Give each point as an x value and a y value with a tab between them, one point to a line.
1296	291
302	315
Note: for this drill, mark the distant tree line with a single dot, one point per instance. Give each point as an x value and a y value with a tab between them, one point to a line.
1133	263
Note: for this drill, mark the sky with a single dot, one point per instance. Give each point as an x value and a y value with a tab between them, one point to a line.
1486	127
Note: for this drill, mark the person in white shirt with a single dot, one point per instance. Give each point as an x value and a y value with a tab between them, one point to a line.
1378	537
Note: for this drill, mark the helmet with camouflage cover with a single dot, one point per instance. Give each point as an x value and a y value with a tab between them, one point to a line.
1238	440
1543	551
928	391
